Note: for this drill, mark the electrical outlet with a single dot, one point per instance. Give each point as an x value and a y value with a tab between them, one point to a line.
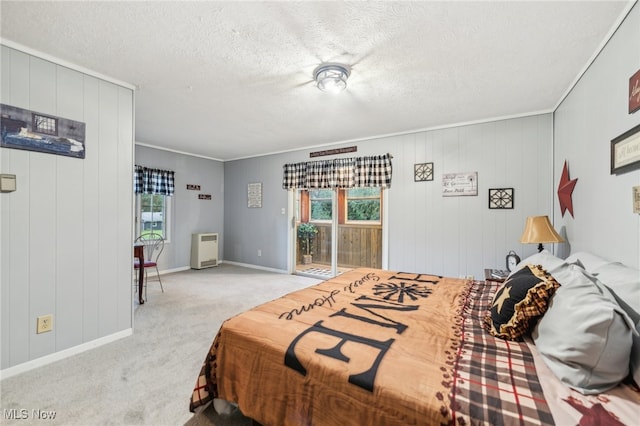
259	252
469	277
45	323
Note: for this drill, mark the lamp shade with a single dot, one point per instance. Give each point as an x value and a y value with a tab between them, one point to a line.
538	229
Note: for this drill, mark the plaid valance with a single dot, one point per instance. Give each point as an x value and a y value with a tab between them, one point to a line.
374	171
153	181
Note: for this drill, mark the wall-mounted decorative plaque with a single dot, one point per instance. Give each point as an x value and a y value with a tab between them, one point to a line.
333	151
501	198
625	152
634	93
459	184
254	195
422	172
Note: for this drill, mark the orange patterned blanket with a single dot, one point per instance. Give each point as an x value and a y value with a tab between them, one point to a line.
373	347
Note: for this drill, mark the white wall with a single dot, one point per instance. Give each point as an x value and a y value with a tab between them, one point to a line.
427	232
594	113
66	232
456	236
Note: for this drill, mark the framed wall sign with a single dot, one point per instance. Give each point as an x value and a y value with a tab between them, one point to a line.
634	92
333	151
625	152
254	195
459	184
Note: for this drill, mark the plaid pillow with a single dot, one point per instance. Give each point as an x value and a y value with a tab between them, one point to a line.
519	302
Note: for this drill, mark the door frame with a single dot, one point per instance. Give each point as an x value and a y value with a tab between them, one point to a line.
291	240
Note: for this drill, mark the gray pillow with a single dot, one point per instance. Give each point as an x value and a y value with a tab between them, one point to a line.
584	337
624	283
588	260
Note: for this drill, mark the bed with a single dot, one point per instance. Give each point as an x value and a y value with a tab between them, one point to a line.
393	348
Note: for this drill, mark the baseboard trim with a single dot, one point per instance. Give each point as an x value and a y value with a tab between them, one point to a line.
65	353
262	268
171	271
245	265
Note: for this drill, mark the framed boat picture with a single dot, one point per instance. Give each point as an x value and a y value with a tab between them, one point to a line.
35	131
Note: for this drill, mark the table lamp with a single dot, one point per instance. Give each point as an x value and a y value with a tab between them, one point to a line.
538	229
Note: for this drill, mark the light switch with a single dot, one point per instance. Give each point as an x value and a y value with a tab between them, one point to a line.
7	183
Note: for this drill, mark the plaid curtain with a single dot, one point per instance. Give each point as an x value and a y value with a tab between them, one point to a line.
342	173
153	181
373	171
295	175
336	173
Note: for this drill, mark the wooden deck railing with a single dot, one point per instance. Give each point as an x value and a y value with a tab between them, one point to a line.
359	245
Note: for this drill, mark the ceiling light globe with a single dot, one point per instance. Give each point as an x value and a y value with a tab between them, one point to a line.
331	78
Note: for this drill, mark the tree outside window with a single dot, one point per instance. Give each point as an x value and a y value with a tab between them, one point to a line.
153	214
355	205
320	200
363	205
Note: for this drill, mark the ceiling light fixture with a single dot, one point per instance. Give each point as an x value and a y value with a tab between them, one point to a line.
331	78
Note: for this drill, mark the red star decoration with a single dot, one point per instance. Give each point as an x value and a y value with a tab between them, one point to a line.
565	189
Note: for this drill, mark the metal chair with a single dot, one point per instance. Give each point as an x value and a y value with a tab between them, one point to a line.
153	246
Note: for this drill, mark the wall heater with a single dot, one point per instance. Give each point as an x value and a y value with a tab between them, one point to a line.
204	250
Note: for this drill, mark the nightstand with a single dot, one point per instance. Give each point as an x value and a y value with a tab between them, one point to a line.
489	276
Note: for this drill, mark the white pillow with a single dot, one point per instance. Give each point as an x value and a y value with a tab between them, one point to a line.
587	260
544	258
622	279
584	337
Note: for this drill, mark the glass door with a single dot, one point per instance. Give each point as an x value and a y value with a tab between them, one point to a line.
314	232
359	228
337	230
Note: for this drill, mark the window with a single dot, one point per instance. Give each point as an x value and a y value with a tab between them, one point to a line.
320	200
363	205
153	214
355	205
44	124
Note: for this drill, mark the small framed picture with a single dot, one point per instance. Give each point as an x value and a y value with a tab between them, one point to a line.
254	195
501	198
422	172
625	152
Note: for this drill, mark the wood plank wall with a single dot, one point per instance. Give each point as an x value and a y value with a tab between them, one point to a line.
66	231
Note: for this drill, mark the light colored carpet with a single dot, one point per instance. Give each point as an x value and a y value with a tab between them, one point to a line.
147	379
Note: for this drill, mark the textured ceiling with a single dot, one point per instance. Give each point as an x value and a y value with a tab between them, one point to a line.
234	79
